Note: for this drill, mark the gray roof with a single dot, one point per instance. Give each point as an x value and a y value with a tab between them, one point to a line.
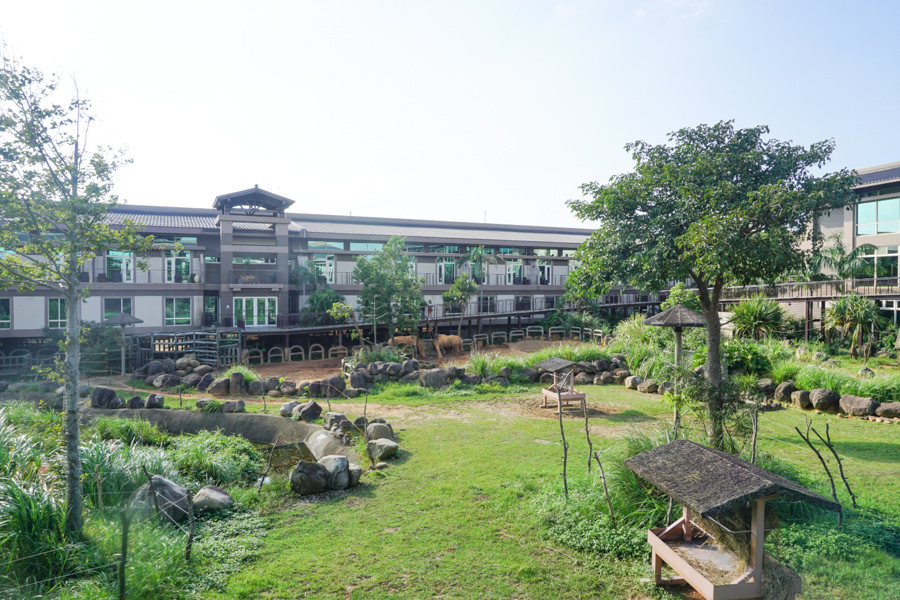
677	317
879	175
157	219
710	482
555	364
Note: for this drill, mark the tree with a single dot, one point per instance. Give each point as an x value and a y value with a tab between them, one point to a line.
716	205
680	295
845	263
391	293
55	192
318	305
459	294
856	318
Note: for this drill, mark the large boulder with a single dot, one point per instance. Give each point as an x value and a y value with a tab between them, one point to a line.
287	409
409	365
824	399
529	374
166	380
334	384
288	388
135	402
205	381
211	498
170	497
101	396
309	411
168	365
191	380
309	478
648	386
584	378
233	406
315	389
857	406
433	378
470	379
605	377
156	401
237	384
766	386
154	367
358	380
666	387
632	382
117	402
784	390
355	474
203	370
381	449
257	387
338	471
272	383
393	369
219	387
332	418
378	431
182	363
888	410
800	399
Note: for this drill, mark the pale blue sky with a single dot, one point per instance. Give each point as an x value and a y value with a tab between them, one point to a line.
448	110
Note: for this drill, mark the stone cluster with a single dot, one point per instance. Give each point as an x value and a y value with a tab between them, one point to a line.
825	400
168	373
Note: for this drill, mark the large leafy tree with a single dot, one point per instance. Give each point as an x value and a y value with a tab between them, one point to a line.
715	205
55	193
391	293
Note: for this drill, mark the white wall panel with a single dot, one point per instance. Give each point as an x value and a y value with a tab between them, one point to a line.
150	310
29	312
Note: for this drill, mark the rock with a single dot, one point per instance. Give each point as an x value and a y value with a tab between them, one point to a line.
409	365
530	374
219	387
203	403
233	406
378	431
505	372
211	498
47	386
820	356
194	363
332	418
333	385
315	389
84	390
766	386
203	370
632	382
168	365
470	379
272	383
498	380
182	363
700	371
583	378
309	411
358	380
865	372
3	385
622	373
355	474
338	471
166	380
179	372
287	409
830	364
171	498
824	399
16	387
648	386
888	410
393	369
156	401
205	381
352	392
154	367
135	402
784	390
381	449
587	367
101	396
381	466
605	377
191	380
600	365
237	384
117	402
256	387
309	478
800	399
857	406
433	378
666	387
288	388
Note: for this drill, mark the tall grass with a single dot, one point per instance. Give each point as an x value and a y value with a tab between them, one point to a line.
210	457
248	373
385	354
485	364
129	431
882	389
20	458
113	471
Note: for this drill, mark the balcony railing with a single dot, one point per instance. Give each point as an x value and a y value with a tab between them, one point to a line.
881	286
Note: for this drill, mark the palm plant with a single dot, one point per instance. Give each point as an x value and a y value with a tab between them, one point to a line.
854	318
845	263
475	261
757	317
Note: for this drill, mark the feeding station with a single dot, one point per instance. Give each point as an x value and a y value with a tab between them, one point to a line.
122	320
677	318
563	389
711	484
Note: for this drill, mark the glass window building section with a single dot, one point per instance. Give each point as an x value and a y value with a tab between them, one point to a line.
880	216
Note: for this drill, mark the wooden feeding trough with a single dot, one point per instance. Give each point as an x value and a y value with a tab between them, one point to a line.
709	484
563	391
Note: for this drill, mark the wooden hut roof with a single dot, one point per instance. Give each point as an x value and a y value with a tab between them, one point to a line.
555	364
710	482
677	316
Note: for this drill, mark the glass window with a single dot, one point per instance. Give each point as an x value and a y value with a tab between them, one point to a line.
324	267
178	266
880	216
253	260
546	252
514	271
446	271
504	250
210	259
366	246
325	245
120	266
56	313
5	320
162	240
178	311
115	306
414	247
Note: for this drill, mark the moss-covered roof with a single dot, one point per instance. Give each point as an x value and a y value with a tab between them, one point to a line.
677	316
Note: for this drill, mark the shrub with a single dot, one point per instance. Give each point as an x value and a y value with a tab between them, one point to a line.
112	471
757	317
370	355
129	431
786	370
213	406
19	457
248	373
215	458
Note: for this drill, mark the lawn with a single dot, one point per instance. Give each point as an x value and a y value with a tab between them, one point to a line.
453	517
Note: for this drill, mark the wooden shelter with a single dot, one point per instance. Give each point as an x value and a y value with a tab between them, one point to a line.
677	318
709	483
562	391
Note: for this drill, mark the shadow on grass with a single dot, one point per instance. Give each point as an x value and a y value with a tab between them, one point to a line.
629	416
883	452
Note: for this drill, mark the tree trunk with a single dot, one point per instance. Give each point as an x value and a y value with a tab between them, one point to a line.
74	500
709	301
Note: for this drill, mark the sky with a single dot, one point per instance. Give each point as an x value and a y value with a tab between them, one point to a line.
481	111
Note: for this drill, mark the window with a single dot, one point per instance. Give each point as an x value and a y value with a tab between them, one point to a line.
325	245
255	312
253	260
115	306
178	311
546	252
446	271
570	253
487	304
505	251
366	246
178	266
882	264
514	271
5	320
523	303
120	266
324	267
881	216
209	258
163	241
412	266
56	313
545	271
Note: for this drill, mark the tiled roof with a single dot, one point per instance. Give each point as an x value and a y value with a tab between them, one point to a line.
877	175
165	220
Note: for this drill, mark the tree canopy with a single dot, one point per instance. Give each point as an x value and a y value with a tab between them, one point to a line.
391	293
55	193
716	205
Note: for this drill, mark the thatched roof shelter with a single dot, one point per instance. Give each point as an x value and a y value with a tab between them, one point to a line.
677	317
710	482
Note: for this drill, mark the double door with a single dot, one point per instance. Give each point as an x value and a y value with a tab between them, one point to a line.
257	311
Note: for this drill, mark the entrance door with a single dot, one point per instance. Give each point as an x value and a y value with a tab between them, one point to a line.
256	312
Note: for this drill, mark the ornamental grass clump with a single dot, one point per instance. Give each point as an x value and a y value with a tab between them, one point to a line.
248	373
213	458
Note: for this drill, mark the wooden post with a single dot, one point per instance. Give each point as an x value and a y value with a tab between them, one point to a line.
687	530
757	537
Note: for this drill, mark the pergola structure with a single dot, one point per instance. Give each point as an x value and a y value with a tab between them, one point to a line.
709	484
562	391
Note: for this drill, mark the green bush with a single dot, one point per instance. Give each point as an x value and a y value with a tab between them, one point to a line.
248	373
211	407
385	354
20	458
129	431
739	355
757	317
215	458
113	471
786	370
